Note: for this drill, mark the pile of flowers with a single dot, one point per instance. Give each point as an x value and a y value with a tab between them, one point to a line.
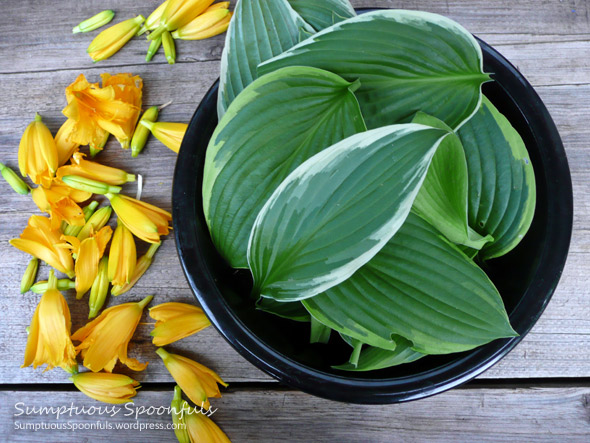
75	239
173	19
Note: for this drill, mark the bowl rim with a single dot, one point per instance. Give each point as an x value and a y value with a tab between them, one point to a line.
384	390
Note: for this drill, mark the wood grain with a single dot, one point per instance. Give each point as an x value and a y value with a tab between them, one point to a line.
545	40
247	415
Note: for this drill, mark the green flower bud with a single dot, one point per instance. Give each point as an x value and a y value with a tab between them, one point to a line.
99	289
94	22
29	275
14	180
73	230
169	47
142	133
89	185
154	46
63	284
99	219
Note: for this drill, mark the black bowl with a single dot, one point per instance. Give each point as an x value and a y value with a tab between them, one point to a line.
526	277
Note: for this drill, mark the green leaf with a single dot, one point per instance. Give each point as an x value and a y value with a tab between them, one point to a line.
333	213
372	358
407	61
259	30
442	200
322	14
273	126
420	287
289	310
502	191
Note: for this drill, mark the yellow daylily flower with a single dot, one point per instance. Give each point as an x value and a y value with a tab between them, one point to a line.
96	111
61	202
49	334
88	254
122	257
128	89
105	339
195	429
37	154
170	134
141	266
175	321
43	242
110	388
145	221
109	41
198	382
65	147
206	25
218	5
95	171
178	13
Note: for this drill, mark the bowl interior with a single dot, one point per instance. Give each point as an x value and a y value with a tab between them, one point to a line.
525	278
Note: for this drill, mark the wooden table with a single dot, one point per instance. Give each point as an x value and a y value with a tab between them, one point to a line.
540	391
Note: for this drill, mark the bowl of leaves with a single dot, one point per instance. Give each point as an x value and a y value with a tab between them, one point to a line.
371	208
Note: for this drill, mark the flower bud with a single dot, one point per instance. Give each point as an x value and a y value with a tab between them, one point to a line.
99	289
169	47
109	41
141	133
88	210
63	284
89	185
153	19
154	46
14	180
96	222
94	22
206	25
29	275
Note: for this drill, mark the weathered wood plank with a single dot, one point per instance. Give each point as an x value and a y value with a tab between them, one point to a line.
246	415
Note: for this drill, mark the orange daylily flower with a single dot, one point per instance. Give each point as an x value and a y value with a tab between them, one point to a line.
88	252
145	221
37	154
128	89
65	147
43	242
191	424
94	171
96	111
198	382
61	202
49	334
105	339
176	321
106	387
122	257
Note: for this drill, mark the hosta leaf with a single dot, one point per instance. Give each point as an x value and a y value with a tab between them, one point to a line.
420	287
336	211
273	126
321	14
289	310
372	358
442	200
407	61
259	30
502	192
